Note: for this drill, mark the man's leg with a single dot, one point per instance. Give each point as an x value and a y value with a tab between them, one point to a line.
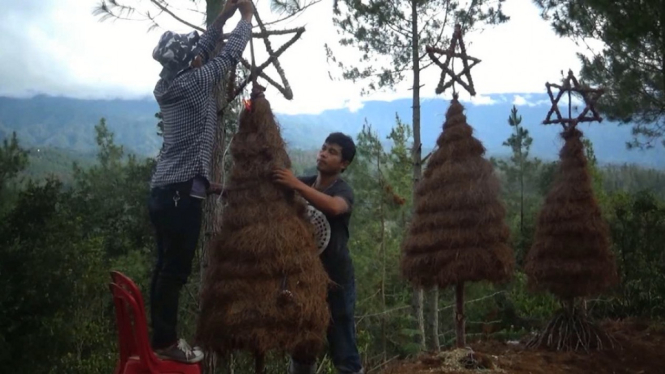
180	224
342	330
156	217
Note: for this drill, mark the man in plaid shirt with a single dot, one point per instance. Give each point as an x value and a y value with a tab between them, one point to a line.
182	175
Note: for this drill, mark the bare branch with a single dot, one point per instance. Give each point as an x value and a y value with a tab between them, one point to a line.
425	158
261	35
167	11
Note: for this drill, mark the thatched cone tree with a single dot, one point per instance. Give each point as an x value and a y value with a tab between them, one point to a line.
571	255
457	233
265	288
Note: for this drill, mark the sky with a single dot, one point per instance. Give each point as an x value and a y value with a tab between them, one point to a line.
58	47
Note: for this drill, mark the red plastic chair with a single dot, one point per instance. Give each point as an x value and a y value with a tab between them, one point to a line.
126	344
136	356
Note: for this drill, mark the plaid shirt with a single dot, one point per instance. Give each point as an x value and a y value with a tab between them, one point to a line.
189	110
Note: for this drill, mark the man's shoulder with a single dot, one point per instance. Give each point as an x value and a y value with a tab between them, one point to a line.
343	184
170	92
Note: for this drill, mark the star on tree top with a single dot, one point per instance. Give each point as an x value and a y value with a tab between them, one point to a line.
569	85
284	88
451	53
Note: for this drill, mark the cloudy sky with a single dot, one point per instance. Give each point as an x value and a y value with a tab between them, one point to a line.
58	47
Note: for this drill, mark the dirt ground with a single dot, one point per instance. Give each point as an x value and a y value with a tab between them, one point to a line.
640	350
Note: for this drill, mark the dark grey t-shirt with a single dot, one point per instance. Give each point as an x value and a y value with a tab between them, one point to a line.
336	258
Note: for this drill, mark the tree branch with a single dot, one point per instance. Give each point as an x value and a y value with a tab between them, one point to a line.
261	35
294	13
167	11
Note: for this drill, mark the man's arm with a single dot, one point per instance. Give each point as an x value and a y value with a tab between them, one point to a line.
330	205
209	39
340	203
211	73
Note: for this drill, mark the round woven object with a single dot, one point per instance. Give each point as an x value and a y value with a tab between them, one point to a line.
321	227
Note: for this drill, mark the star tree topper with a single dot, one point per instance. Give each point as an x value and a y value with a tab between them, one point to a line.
284	88
450	53
589	95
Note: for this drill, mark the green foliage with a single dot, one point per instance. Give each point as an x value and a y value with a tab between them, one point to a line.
629	65
519	172
638	231
386	33
13	159
112	195
57	245
47	162
53	285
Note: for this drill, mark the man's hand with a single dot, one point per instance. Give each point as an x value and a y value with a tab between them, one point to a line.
286	178
246	9
215	189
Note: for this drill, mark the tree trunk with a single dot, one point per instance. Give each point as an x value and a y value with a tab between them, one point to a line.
211	209
521	196
417	300
383	258
432	320
459	315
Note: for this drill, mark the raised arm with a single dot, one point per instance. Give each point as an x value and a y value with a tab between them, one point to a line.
209	39
211	73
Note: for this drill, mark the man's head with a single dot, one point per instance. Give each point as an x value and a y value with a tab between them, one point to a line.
336	154
177	52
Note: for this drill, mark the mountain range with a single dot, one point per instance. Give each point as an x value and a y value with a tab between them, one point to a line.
67	123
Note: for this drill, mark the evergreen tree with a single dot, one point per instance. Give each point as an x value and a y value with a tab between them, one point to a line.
629	65
519	169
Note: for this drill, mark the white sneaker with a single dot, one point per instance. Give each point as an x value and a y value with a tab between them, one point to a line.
181	352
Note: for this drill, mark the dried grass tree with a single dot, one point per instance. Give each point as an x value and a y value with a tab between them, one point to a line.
570	256
265	288
458	232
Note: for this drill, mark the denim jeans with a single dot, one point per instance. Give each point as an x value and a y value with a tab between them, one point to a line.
341	331
177	225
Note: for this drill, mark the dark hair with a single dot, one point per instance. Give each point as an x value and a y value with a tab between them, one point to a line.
345	142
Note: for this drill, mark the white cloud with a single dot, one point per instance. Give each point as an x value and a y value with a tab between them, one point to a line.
520	100
482	100
58	47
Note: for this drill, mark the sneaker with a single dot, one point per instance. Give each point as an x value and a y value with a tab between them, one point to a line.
181	352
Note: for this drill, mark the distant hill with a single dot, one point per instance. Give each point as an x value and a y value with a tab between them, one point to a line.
69	124
48	161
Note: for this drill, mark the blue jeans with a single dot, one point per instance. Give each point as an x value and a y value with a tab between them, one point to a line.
177	229
341	331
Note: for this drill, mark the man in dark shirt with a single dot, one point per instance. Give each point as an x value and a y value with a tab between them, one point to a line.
330	194
182	174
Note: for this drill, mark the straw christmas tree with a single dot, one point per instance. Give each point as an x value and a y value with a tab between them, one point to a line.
571	256
457	233
265	288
